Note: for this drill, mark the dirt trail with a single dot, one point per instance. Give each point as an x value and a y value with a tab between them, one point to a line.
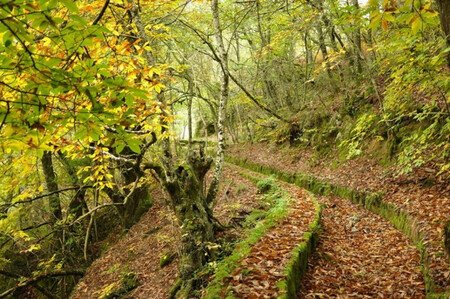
421	195
360	255
260	271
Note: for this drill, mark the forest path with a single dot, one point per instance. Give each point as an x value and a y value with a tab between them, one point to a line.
361	255
422	196
259	273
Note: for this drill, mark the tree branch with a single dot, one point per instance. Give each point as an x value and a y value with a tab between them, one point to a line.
254	100
125	200
102	12
145	147
28	200
114	157
30	54
6	115
206	41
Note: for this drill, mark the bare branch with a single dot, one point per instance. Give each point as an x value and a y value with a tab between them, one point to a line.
114	157
108	204
145	147
205	40
102	12
28	200
6	115
137	132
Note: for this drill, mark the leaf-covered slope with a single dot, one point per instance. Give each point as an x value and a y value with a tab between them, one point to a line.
157	234
429	205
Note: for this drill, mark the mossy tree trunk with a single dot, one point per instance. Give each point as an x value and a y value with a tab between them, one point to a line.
197	230
129	211
129	202
357	40
77	205
133	208
185	185
58	242
132	198
52	186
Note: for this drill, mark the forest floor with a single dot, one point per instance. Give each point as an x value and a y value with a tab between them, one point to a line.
155	235
429	204
260	271
359	254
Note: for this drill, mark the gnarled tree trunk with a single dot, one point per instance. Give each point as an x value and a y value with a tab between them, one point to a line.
130	203
52	186
185	187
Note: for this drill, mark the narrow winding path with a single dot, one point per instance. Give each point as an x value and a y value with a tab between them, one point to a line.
361	255
428	204
263	268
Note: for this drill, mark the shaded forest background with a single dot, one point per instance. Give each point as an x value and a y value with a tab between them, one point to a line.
94	96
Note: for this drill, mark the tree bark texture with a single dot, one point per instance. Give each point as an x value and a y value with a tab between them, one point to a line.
188	201
52	186
224	93
130	206
357	42
444	15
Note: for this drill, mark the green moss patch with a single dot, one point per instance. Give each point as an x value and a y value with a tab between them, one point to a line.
128	282
166	259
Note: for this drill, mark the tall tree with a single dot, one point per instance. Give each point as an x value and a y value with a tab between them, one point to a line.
185	183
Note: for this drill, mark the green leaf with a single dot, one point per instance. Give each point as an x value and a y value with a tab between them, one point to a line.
134	145
416	25
120	145
81	133
71	6
79	19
